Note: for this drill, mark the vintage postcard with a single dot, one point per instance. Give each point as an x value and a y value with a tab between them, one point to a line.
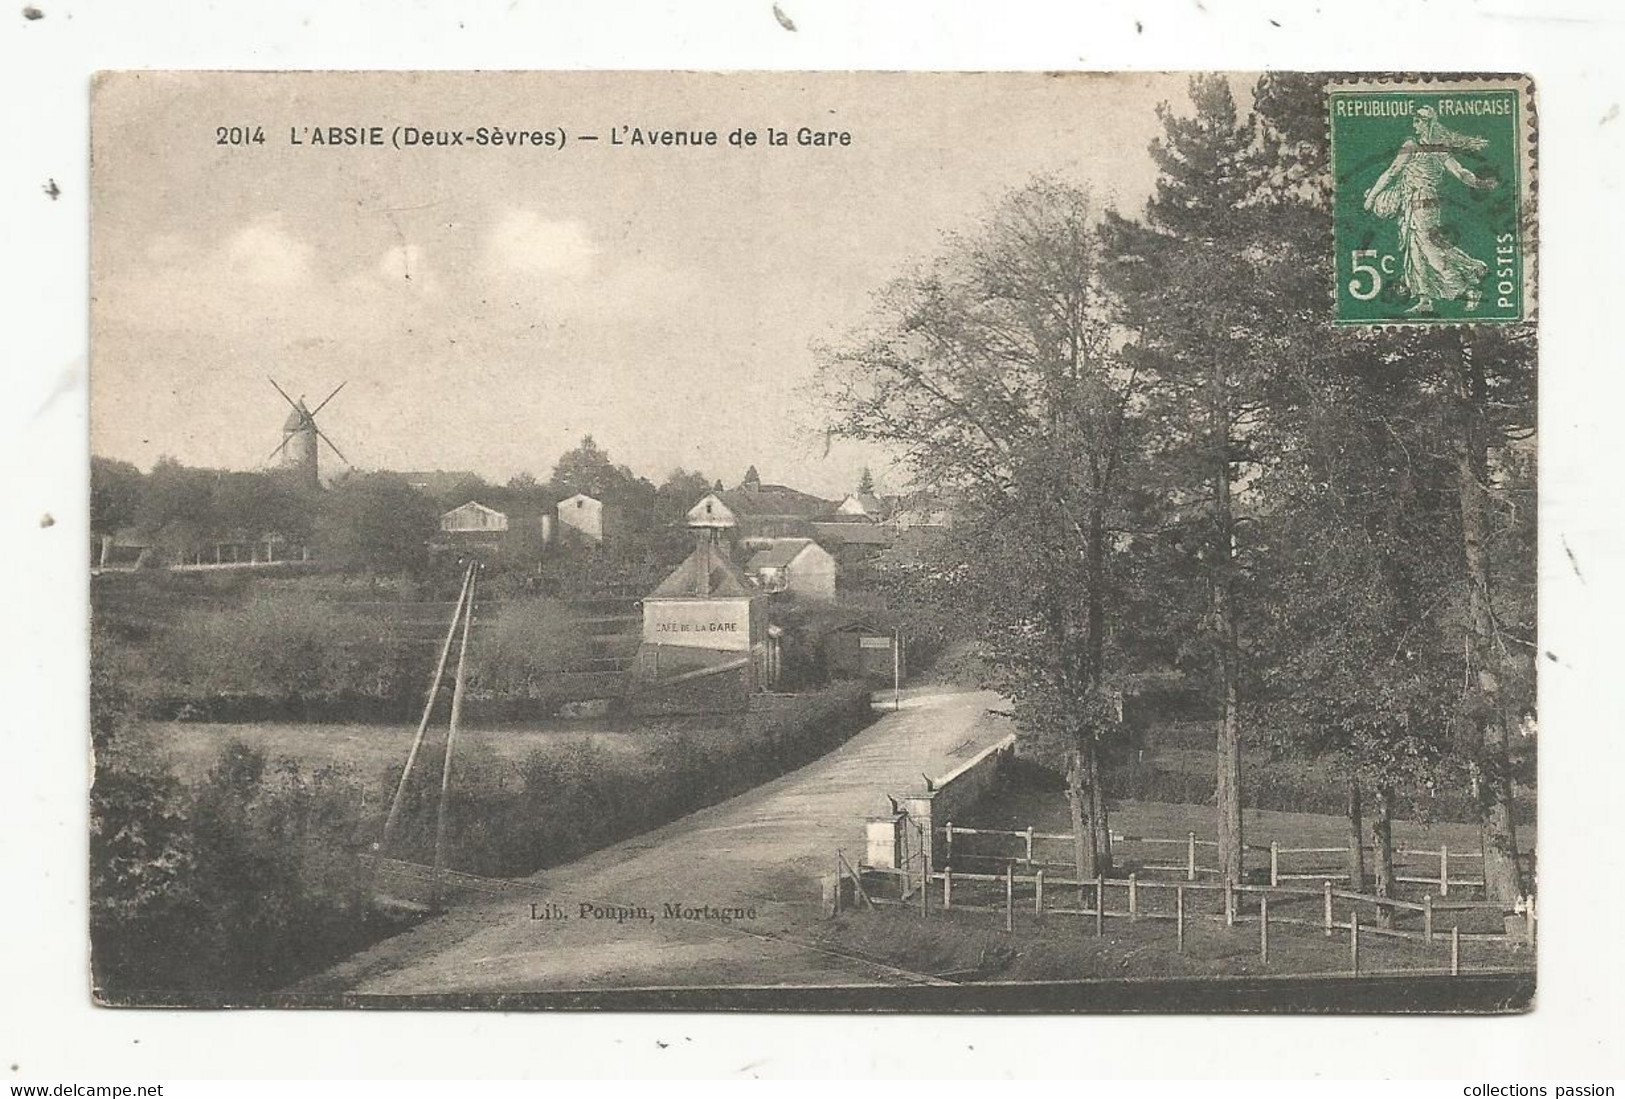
814	541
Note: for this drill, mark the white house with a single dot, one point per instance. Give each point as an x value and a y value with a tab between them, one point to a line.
473	516
863	505
799	566
587	516
711	513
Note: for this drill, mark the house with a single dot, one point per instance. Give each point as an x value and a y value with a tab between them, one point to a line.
711	513
863	650
473	517
473	527
437	482
799	566
851	542
754	513
863	505
705	645
587	516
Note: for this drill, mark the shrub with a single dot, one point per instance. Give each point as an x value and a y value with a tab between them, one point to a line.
566	800
241	884
531	641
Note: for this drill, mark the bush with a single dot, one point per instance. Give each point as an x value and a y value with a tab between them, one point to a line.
1290	786
521	654
241	884
563	801
286	651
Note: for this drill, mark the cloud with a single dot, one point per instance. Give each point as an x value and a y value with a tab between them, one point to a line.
523	242
406	266
263	254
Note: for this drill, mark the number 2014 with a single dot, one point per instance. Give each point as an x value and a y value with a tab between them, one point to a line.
239	135
1373	272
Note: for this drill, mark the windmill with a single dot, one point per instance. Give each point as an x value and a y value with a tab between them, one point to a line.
299	435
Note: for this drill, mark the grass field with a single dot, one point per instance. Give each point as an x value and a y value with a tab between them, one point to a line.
193	747
973	946
966	944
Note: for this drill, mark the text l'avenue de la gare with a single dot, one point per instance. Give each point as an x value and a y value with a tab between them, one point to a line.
249	135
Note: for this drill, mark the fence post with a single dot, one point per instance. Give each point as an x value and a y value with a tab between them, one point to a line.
948	841
1229	904
1328	895
1190	856
1455	951
1134	896
925	889
1427	917
840	876
1444	870
1100	904
1029	847
1038	895
1275	862
1179	915
1354	941
1529	919
947	888
1264	928
1009	899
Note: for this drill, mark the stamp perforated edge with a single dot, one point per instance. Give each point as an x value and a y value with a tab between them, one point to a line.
1528	182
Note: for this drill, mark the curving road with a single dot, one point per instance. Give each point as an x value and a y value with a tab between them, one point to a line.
612	919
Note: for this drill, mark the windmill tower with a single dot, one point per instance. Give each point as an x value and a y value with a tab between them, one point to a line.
299	448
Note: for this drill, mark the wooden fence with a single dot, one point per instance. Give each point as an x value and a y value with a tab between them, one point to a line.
937	889
1286	863
1044	888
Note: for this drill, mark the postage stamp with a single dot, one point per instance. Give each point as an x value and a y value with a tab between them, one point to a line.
1429	206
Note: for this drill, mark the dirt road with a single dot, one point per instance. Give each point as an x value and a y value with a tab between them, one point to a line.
710	899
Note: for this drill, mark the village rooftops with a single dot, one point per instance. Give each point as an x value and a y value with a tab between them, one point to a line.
855	533
779	555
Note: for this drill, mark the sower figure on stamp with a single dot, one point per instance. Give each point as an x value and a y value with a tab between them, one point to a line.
1409	190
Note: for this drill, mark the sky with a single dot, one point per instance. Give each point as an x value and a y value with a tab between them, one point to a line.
487	307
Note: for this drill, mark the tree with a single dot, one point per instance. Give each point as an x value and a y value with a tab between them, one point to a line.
1452	525
866	483
753	480
584	468
115	496
992	372
376	522
1196	278
261	504
177	507
680	491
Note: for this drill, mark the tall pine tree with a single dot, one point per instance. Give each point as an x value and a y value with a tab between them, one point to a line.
1198	278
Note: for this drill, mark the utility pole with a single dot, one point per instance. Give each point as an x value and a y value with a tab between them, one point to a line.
451	740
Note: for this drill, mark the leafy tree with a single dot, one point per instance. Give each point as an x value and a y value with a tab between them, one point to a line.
377	523
177	507
993	372
680	491
584	468
115	494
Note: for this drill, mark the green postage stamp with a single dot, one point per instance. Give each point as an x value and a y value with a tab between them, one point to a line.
1431	202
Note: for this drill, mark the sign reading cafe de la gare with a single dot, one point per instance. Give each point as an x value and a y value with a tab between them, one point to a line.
707	624
1432	182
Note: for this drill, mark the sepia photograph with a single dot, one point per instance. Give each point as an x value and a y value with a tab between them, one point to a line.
903	542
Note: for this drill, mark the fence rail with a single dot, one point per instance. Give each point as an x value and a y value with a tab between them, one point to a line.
1191	868
918	887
